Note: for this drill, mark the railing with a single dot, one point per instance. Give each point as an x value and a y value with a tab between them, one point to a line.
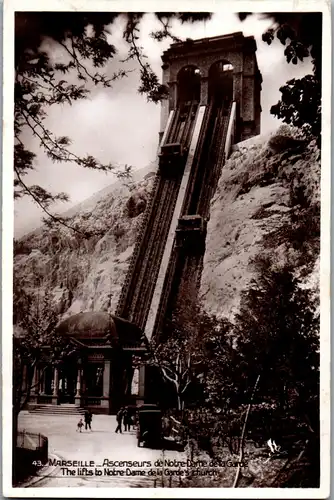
33	442
230	131
30	453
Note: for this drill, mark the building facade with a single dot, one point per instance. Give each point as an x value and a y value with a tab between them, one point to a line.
234	50
101	371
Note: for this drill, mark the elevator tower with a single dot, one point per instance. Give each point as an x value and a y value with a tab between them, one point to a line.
214	102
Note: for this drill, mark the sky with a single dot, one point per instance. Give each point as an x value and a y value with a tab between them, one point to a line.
118	125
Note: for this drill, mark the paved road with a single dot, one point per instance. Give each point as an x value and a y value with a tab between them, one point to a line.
97	446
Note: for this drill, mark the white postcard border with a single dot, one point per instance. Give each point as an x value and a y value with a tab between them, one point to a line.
10	7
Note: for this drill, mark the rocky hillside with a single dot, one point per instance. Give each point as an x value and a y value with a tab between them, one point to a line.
267	194
86	274
266	207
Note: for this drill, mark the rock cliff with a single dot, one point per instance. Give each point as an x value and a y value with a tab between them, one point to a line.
86	274
266	207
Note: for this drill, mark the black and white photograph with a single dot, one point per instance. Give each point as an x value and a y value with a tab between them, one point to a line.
166	310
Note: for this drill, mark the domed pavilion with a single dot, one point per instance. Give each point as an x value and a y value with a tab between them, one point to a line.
98	373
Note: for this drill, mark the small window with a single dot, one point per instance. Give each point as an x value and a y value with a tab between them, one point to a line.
227	67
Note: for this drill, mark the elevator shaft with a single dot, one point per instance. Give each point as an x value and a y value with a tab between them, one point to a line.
182	278
140	281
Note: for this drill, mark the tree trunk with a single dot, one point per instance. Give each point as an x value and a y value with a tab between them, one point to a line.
243	433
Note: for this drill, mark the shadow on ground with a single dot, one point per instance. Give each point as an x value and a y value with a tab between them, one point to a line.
165	444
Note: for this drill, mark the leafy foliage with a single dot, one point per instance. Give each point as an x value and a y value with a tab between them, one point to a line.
278	338
300	104
41	82
301	34
177	358
218	420
278	331
274	341
35	319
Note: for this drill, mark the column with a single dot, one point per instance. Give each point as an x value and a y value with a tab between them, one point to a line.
78	387
77	398
204	90
55	382
35	381
83	382
165	102
35	385
141	384
248	98
172	95
24	378
129	370
135	383
237	96
55	386
42	389
106	383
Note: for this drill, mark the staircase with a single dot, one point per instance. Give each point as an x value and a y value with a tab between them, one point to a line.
65	409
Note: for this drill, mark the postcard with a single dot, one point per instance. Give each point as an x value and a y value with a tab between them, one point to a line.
166	249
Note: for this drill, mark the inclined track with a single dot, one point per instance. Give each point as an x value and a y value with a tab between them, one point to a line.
184	270
138	288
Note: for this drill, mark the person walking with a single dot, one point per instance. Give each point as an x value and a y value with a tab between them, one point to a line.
119	419
88	419
127	419
80	425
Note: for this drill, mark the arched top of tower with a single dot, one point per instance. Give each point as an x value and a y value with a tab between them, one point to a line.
203	53
220	66
189	70
189	83
227	71
220	81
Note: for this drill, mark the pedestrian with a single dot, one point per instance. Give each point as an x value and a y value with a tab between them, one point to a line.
80	425
119	419
127	419
88	419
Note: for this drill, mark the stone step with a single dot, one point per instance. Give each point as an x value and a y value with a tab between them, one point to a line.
57	410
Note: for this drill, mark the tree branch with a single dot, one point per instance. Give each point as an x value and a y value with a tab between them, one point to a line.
174	381
185	387
74	56
49	214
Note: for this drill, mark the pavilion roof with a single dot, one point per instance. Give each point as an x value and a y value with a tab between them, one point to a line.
93	325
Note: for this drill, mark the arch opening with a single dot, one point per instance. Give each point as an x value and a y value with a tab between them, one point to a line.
189	84
221	83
